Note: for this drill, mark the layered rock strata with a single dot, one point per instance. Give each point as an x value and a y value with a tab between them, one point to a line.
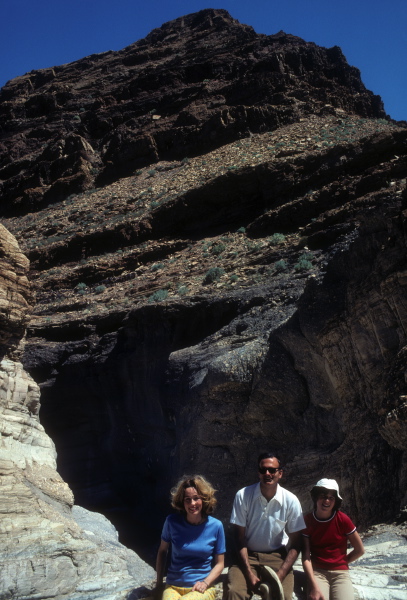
192	85
298	345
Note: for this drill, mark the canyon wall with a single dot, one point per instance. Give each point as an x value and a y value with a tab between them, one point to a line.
44	551
215	221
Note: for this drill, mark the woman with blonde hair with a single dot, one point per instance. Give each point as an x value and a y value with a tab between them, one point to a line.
197	542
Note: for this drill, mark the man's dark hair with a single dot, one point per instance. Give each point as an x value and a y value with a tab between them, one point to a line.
264	455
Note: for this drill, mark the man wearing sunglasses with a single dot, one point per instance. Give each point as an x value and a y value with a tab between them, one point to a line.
267	520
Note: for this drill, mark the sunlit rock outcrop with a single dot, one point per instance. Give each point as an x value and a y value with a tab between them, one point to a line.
44	551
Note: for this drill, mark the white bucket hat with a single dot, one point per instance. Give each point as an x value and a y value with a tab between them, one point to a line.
328	484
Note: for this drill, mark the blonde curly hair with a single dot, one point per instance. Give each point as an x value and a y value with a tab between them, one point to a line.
204	489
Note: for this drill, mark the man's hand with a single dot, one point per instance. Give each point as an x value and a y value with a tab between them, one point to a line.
254	581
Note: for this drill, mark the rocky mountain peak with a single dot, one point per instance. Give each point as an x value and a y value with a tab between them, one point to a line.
190	86
205	23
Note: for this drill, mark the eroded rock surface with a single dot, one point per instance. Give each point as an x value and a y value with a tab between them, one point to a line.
16	297
44	552
381	574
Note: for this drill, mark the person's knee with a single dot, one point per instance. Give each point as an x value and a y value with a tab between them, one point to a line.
230	588
235	594
235	587
171	594
208	595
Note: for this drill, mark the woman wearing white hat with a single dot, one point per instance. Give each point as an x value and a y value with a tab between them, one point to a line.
324	558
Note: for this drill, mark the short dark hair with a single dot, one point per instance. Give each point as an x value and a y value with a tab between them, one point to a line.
316	491
265	455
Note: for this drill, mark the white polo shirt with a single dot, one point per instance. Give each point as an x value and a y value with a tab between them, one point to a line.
267	522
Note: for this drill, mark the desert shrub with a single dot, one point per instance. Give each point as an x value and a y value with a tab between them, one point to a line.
276	238
218	249
280	266
303	264
157	267
100	289
213	274
81	287
182	290
158	296
233	278
253	246
241	230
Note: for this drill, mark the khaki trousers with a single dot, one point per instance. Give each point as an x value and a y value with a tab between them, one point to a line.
237	587
335	585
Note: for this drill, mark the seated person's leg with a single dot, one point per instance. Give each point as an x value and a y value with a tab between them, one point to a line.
341	586
322	580
236	585
172	593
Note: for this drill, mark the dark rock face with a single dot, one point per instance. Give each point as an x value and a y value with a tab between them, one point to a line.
193	313
190	86
206	385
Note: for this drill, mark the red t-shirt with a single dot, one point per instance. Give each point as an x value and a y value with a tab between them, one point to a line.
328	540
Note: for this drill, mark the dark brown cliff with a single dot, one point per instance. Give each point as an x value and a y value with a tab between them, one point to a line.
215	221
190	86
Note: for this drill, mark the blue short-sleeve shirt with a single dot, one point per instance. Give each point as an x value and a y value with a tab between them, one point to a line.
193	548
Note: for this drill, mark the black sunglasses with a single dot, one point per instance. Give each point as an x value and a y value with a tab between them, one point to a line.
271	470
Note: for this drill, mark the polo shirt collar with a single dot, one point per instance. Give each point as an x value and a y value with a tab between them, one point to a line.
278	495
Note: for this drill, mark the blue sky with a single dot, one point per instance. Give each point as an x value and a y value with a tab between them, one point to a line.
36	34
